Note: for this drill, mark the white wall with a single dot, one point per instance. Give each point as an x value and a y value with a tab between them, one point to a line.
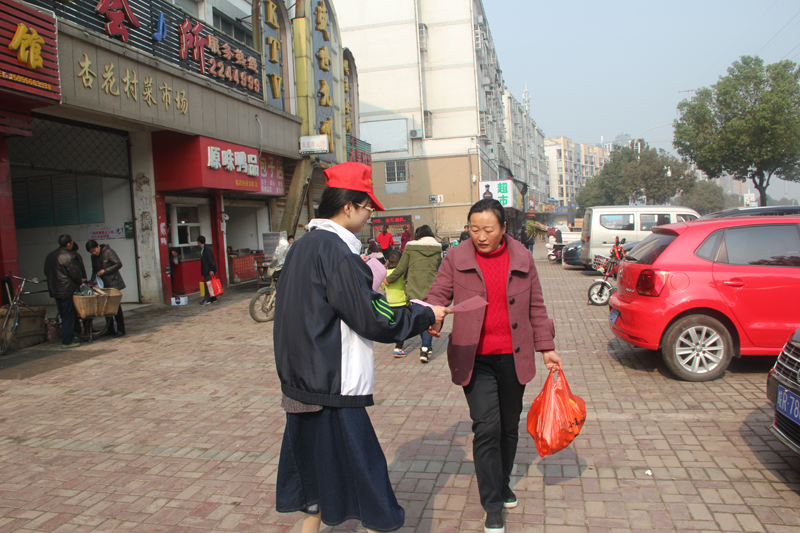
33	244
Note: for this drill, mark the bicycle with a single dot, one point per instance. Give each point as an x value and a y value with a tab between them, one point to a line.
84	329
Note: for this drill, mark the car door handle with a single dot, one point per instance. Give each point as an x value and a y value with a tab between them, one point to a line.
734	283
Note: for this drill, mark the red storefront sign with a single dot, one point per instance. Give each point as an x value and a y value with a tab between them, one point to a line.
183	162
376	221
28	65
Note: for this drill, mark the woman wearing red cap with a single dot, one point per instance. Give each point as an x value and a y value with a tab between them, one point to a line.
327	316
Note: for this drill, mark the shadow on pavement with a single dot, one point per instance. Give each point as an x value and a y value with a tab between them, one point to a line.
563	466
431	472
779	460
638	358
31	362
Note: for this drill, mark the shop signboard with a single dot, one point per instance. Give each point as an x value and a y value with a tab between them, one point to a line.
313	144
185	162
28	52
504	191
160	29
395	224
562	210
531	204
358	151
324	65
105	232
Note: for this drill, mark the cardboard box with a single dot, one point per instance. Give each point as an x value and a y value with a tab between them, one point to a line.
31	328
180	300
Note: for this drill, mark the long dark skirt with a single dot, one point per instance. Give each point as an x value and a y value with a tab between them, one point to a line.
333	458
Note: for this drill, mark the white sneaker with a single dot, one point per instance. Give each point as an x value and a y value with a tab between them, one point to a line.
399	352
424	354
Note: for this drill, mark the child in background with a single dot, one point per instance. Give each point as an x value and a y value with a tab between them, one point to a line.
396	293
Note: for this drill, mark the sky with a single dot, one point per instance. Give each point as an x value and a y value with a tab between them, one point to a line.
598	69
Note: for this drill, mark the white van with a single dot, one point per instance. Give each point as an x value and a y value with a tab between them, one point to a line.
602	224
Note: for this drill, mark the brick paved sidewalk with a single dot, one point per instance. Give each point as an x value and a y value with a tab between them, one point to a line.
177	426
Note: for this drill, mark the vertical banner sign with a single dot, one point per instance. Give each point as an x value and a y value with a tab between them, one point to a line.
273	53
323	72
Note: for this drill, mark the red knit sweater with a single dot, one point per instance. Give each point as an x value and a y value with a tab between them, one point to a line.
496	330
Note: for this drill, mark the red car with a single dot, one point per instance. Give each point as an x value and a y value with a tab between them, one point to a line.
708	290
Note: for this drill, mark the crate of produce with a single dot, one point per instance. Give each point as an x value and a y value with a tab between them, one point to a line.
105	302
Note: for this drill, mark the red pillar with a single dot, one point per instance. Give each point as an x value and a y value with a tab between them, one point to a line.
163	247
9	261
220	254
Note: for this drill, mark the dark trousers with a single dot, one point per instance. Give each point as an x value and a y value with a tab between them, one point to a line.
117	323
494	395
385	252
67	311
208	298
427	339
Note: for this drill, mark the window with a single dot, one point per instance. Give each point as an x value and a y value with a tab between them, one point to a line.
395	171
187	221
686	217
649	221
617	221
647	251
428	119
558	153
233	28
708	250
423	37
772	245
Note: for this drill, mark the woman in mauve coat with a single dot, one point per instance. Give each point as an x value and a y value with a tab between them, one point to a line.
491	350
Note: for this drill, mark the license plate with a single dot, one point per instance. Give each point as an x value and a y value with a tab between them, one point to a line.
788	404
613	315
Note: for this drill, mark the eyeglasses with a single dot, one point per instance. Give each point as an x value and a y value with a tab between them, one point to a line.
371	210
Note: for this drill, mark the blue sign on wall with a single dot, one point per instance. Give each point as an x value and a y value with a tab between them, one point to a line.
562	210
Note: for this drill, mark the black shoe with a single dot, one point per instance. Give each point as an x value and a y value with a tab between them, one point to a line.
109	333
424	354
494	523
509	498
119	334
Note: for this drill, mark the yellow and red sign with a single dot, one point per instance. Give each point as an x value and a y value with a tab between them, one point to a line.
28	52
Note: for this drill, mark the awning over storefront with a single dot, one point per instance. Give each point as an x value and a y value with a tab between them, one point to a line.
191	163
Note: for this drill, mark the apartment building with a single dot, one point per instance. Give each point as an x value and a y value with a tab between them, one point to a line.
431	92
571	164
524	147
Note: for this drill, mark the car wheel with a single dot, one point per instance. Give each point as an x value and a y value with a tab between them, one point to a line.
697	348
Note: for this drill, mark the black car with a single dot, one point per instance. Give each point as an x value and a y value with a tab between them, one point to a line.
783	391
571	254
772	210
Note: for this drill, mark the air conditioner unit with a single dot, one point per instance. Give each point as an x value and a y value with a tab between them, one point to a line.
415	134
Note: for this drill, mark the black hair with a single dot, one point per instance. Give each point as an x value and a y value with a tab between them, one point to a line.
91	244
74	247
64	240
423	231
489	204
201	239
334	199
393	259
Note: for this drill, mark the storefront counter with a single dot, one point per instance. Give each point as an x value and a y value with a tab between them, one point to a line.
186	276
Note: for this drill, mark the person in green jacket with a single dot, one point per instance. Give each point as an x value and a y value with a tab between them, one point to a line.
396	293
419	264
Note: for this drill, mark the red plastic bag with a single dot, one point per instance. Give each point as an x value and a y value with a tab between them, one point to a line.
214	286
556	416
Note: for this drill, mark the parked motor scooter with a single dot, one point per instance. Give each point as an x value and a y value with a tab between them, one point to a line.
262	304
601	290
554	251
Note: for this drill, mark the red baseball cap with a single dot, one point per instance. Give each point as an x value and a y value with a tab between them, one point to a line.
353	176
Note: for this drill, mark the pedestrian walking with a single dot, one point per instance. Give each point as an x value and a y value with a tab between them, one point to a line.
419	264
494	362
395	294
208	267
63	279
385	241
331	464
464	235
106	266
404	238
